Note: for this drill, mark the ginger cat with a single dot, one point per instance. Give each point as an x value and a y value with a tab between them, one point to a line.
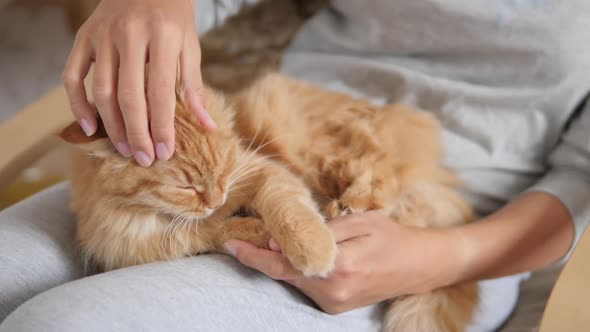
282	149
130	215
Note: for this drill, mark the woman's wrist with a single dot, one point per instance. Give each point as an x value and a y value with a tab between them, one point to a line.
465	250
443	259
452	252
531	232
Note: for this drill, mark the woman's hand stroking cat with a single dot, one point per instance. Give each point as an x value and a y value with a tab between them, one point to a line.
121	37
377	260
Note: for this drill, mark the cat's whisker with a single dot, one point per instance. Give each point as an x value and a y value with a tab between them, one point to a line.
240	178
235	173
189	223
246	176
253	162
195	221
250	159
197	237
251	153
245	155
241	167
261	146
169	238
186	235
258	164
165	239
177	236
186	230
243	175
172	236
253	138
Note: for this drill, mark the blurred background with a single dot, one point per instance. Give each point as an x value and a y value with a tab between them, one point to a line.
35	39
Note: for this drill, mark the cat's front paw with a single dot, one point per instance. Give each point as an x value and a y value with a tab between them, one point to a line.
310	247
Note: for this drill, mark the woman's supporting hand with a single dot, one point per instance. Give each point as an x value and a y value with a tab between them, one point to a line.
121	36
377	260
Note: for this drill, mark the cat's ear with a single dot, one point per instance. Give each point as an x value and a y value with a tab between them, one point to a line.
97	143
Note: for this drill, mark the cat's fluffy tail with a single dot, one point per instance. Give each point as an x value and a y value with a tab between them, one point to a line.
449	309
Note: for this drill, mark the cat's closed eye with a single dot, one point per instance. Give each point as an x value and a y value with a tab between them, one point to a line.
196	190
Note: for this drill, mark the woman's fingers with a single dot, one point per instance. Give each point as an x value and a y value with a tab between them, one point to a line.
271	263
164	54
105	95
122	36
349	227
75	72
131	92
190	65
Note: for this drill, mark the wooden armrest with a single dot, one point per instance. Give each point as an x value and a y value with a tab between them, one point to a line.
29	134
568	309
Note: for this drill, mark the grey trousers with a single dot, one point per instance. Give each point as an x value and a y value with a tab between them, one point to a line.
42	288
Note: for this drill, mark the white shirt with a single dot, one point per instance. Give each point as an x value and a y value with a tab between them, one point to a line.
504	77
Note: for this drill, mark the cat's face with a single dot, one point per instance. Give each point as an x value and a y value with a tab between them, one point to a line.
191	185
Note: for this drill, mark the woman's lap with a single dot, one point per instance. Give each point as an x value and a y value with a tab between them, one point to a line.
37	251
205	293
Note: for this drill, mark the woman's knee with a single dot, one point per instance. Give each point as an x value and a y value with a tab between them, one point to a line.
194	294
42	313
37	248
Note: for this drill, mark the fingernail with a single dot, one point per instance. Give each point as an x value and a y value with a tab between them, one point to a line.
143	159
124	149
162	151
86	127
230	248
203	116
273	245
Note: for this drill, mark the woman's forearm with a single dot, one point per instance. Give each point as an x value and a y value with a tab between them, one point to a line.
529	233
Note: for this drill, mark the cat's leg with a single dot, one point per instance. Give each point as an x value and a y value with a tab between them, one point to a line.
292	219
216	232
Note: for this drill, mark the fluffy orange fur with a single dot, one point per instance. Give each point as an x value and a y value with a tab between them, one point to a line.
131	215
285	155
356	157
